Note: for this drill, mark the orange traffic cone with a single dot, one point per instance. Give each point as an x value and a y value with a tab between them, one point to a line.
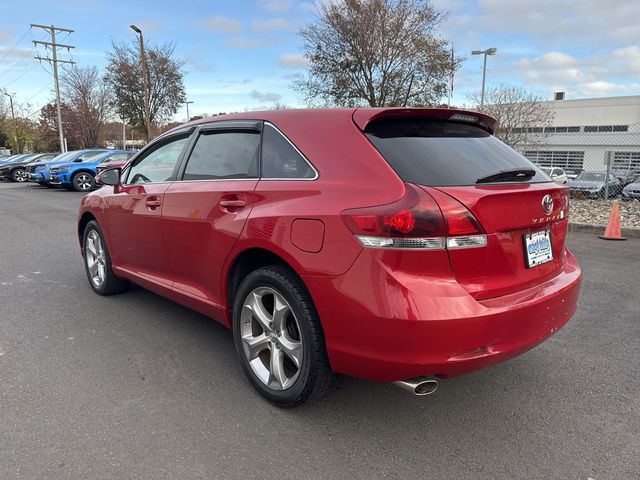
612	232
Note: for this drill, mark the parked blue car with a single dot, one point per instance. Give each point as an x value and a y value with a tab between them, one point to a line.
39	172
80	174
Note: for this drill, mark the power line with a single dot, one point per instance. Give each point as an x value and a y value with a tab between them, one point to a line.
20	59
53	61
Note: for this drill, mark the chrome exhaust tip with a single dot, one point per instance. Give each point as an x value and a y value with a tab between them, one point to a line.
419	386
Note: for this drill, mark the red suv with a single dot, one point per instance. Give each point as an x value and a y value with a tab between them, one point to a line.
403	245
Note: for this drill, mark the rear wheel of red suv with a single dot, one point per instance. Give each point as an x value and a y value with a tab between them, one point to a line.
279	338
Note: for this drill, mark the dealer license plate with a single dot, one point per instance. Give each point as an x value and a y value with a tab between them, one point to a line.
537	247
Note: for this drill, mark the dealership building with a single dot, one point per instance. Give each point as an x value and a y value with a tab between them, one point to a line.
585	132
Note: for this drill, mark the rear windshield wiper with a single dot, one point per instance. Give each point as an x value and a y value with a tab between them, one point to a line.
506	175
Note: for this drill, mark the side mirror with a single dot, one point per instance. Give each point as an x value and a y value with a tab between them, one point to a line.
78	160
110	176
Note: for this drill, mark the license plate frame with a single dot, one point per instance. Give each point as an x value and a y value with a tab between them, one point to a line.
538	248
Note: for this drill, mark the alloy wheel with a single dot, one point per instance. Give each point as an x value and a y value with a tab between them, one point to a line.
95	257
271	338
84	181
20	175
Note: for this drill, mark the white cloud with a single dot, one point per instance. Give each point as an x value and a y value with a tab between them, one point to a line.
273	25
265	96
292	60
223	25
629	56
279	6
244	42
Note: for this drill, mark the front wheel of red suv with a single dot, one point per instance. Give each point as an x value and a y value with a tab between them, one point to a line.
279	338
97	262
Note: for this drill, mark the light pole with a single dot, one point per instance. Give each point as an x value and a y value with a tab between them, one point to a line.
488	51
187	104
13	117
124	134
145	82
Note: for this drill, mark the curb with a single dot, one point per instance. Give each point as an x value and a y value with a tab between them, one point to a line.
598	229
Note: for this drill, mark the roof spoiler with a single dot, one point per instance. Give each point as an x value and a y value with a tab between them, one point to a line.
363	116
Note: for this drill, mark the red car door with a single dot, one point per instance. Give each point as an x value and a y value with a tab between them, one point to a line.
134	213
205	211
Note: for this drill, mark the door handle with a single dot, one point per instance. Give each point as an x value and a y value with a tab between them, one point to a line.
238	203
153	202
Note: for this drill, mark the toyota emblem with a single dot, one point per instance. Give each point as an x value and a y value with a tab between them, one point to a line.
547	204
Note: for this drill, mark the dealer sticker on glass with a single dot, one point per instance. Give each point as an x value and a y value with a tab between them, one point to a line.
537	247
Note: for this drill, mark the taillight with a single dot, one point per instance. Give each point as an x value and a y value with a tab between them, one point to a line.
415	221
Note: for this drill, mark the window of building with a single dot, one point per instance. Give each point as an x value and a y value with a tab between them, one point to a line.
590	129
605	128
573	129
620	128
626	161
568	160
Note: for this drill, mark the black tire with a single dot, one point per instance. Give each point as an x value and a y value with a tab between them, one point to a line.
18	175
83	182
314	375
111	284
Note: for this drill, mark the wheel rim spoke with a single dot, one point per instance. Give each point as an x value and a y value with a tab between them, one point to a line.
277	377
255	345
259	312
280	310
293	350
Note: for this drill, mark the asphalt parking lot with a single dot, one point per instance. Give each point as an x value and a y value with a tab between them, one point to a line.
135	386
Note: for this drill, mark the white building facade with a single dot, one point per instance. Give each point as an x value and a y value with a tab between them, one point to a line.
584	133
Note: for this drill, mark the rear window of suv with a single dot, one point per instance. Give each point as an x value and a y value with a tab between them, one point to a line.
444	153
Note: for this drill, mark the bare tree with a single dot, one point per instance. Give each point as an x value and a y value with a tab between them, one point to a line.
376	53
125	78
521	115
88	96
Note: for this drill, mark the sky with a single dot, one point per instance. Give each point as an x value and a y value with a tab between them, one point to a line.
244	54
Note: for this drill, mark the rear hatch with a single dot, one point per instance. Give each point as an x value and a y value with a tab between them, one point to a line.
457	161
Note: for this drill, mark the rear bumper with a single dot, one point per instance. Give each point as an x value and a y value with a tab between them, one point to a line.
410	327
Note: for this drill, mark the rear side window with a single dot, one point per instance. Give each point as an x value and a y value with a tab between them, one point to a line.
224	155
117	157
442	153
280	159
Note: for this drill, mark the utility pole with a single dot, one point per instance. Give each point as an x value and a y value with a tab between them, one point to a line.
187	103
52	29
13	117
145	83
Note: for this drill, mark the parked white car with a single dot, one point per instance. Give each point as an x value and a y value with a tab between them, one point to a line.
557	174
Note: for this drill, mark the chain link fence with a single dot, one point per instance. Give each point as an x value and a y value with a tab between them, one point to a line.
599	163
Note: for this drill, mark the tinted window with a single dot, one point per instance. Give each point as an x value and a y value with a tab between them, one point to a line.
86	157
280	159
441	153
158	165
118	157
220	155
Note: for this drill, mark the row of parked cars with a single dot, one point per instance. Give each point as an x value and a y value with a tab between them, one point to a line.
619	183
74	170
